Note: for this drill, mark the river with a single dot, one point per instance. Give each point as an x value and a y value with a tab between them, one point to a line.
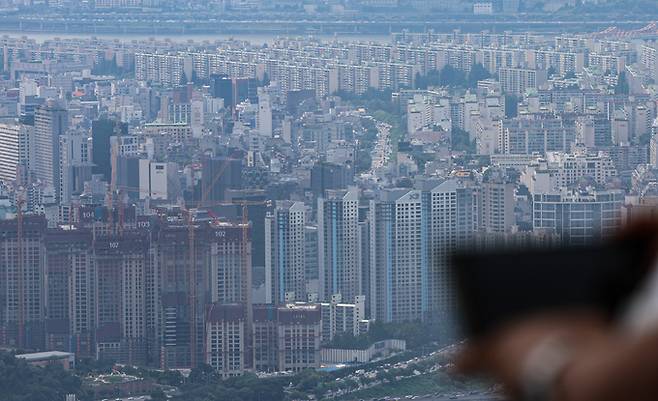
253	38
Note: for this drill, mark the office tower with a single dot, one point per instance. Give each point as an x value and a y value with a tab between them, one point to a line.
245	89
219	174
158	180
126	177
620	128
398	256
197	117
75	164
338	263
50	122
325	175
179	113
585	134
22	272
221	86
182	94
168	132
452	224
124	273
70	292
602	130
101	131
227	339
578	216
264	117
497	201
285	253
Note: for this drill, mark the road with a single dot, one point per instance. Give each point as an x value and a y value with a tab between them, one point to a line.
484	397
382	152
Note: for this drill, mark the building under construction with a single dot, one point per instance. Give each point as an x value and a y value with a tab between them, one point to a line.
134	293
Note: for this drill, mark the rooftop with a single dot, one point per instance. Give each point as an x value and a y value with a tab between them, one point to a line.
37	356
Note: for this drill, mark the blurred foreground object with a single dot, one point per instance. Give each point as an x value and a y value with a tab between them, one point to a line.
567	324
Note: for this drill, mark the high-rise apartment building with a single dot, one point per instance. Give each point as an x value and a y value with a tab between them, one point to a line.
398	256
50	122
453	222
75	163
497	202
338	263
230	263
342	318
534	135
9	151
298	337
517	81
285	253
16	151
124	285
218	270
22	272
264	118
70	294
559	169
284	338
226	339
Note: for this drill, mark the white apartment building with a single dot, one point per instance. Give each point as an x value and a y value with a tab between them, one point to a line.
559	170
338	256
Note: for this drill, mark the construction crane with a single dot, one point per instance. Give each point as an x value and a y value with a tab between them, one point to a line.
246	257
21	272
114	154
192	256
192	270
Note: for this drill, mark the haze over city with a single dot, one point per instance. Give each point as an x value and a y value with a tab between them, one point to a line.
260	199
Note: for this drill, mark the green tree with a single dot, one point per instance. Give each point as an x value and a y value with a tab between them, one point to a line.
460	140
432	78
203	374
622	87
453	77
158	395
20	381
477	73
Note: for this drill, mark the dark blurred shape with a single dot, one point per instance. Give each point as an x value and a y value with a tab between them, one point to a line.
499	287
